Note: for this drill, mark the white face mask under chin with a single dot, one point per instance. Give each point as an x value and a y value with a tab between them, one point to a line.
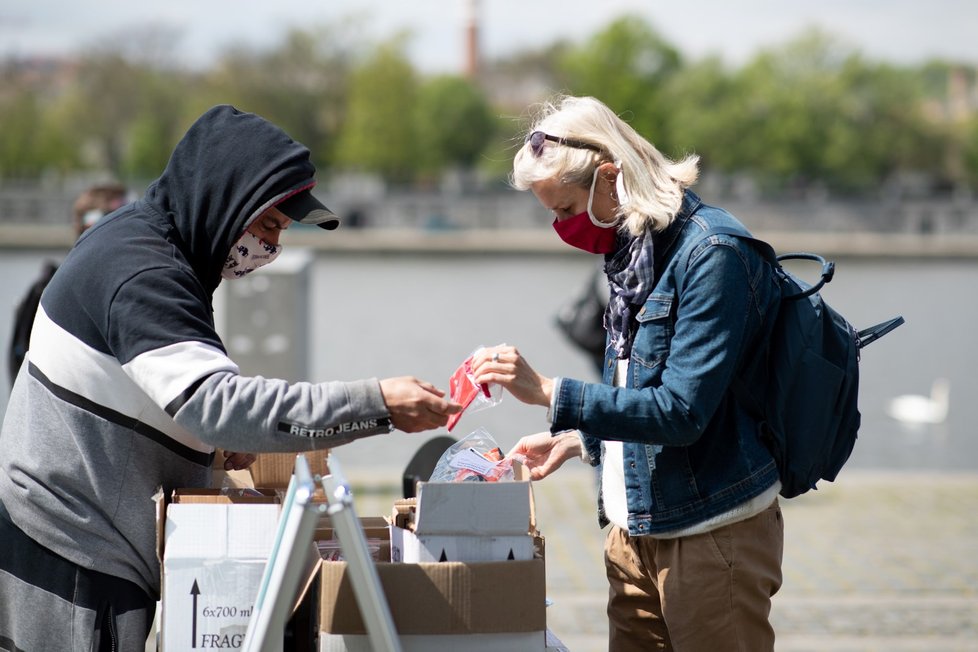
248	254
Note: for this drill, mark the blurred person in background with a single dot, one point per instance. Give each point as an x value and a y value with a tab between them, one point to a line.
89	207
581	318
693	555
128	389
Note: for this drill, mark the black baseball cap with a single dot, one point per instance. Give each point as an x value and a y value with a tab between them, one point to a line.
304	208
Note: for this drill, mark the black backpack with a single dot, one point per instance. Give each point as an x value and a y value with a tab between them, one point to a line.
809	413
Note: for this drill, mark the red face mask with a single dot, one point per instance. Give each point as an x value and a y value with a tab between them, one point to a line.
585	232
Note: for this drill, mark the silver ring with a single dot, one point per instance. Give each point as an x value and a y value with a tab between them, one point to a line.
495	357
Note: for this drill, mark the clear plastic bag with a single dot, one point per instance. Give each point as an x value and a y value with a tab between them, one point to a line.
474	458
472	396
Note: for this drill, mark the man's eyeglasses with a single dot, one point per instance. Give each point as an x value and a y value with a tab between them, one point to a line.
537	138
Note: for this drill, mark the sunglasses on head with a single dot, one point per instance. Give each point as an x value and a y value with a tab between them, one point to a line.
537	138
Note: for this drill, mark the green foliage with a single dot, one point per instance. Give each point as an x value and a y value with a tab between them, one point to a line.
701	100
970	153
809	112
20	154
302	85
627	65
378	135
812	112
453	122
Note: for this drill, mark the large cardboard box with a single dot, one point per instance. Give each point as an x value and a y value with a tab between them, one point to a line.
213	549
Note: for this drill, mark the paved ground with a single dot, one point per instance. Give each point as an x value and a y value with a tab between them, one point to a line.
877	562
882	562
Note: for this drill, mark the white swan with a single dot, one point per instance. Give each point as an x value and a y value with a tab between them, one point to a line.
912	408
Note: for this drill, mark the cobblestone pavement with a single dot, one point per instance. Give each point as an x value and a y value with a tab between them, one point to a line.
874	562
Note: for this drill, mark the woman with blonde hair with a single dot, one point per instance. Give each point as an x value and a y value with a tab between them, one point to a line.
693	556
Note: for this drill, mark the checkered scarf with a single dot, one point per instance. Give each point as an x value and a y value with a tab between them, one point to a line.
630	278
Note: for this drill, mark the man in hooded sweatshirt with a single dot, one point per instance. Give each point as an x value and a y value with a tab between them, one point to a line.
128	388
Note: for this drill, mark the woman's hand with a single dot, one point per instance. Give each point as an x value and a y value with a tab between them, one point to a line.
505	366
545	453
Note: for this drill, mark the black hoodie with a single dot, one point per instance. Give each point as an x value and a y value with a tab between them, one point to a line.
128	387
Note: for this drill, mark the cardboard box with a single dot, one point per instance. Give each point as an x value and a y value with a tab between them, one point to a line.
491	606
274	470
376	531
473	508
465	521
411	548
372	527
451	605
213	549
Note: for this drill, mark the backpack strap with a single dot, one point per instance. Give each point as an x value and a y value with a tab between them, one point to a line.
738	386
767	252
764	248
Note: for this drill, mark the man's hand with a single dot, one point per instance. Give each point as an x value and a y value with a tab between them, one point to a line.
545	453
416	405
238	461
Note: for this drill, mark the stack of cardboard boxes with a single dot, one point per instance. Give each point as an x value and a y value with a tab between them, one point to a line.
467	572
462	567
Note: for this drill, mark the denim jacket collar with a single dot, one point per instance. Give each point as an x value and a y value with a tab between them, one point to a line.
665	241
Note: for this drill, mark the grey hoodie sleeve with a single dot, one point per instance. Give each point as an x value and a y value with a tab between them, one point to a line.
256	414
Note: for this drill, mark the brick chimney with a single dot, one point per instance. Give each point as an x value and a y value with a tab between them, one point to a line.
472	40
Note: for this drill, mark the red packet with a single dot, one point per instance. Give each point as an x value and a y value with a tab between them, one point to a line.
463	390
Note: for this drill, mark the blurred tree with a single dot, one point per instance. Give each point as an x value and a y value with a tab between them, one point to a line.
951	111
627	66
32	143
162	119
880	131
453	122
301	85
378	135
126	102
702	99
103	103
970	153
811	113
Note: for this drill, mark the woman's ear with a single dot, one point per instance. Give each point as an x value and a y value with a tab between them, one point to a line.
608	171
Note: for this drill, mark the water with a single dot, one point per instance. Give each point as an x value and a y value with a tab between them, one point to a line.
383	314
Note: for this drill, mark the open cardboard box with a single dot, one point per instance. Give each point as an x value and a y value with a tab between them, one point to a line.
441	606
468	522
493	605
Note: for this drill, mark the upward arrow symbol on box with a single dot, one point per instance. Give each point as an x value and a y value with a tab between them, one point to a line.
194	591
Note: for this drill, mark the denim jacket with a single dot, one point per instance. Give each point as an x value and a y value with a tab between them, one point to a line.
690	451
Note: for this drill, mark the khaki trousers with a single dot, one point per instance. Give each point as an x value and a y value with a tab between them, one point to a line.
709	592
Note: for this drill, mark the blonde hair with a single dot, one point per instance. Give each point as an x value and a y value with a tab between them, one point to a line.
654	183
